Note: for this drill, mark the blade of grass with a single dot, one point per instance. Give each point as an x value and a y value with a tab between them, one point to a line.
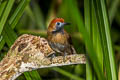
35	75
67	74
89	72
106	43
87	12
29	12
102	38
5	14
9	34
109	42
16	16
18	13
2	42
27	76
113	9
2	6
96	38
91	25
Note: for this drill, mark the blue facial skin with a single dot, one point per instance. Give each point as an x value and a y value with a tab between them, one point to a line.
60	27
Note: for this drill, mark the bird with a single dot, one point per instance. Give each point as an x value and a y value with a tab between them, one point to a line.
58	39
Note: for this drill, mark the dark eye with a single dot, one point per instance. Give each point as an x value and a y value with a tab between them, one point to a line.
58	23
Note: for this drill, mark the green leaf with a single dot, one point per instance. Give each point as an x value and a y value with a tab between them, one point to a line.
15	17
104	30
67	74
2	42
5	14
18	13
88	25
2	6
27	76
35	75
114	8
9	35
109	41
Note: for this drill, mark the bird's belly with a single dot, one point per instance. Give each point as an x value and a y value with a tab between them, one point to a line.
60	48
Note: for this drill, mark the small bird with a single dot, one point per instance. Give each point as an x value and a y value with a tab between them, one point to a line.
58	39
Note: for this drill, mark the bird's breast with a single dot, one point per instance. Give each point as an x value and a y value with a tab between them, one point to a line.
59	38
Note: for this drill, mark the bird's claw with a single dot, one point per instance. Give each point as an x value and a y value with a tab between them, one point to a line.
52	56
65	54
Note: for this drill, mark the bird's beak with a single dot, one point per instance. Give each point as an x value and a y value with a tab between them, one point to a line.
65	23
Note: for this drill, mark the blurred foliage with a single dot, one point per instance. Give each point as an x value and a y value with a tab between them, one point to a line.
88	31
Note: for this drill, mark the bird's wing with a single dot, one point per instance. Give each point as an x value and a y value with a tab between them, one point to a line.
71	44
70	40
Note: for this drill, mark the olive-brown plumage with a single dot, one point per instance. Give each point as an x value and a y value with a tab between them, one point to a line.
58	38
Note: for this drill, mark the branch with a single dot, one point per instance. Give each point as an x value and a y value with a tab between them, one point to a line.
30	53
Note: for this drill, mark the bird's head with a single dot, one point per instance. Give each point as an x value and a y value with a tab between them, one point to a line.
57	25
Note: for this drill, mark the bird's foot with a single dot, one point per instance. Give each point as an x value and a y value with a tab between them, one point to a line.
65	54
52	56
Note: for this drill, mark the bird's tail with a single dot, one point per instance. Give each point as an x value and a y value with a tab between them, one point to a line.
73	50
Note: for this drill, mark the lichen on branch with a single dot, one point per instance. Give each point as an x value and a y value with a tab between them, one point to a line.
31	52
